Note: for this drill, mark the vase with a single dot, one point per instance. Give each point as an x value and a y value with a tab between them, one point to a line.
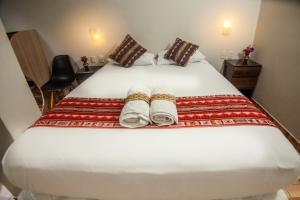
245	60
86	67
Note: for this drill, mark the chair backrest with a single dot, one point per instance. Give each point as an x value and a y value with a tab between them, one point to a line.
62	68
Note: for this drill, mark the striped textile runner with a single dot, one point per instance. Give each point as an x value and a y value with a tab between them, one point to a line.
196	111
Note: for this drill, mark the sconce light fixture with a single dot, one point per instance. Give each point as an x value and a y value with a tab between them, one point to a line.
95	35
227	26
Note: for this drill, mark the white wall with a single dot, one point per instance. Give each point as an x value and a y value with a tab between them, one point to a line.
18	108
277	49
64	24
5	141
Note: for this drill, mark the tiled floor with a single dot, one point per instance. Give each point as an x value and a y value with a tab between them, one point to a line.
293	191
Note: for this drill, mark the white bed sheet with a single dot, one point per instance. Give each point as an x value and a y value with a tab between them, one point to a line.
126	164
196	79
27	195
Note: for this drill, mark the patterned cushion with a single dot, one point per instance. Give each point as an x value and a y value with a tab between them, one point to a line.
128	52
181	51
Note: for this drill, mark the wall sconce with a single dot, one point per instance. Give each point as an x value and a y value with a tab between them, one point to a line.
95	35
227	25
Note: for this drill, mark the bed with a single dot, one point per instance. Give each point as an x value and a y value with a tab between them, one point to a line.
125	164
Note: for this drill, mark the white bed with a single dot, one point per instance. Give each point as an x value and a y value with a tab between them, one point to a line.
142	164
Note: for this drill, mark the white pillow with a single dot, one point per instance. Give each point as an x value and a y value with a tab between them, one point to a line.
145	59
196	57
162	61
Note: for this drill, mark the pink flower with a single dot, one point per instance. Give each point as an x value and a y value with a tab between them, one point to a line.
248	50
84	59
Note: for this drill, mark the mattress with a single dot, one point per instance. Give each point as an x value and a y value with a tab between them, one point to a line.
184	163
27	195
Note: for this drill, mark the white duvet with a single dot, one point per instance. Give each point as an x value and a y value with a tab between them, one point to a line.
142	164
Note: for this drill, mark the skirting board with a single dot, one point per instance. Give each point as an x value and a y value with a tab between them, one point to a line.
295	142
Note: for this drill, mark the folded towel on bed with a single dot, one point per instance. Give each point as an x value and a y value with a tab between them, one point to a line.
135	112
163	111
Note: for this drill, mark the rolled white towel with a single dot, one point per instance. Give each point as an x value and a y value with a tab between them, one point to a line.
135	112
163	111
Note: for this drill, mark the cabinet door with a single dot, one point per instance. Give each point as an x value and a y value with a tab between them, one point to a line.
30	54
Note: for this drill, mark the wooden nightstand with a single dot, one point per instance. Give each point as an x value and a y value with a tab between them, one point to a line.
81	75
242	76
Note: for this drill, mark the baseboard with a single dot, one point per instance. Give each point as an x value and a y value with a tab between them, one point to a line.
295	140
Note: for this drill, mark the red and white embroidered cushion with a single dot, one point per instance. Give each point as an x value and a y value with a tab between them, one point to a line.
128	52
181	51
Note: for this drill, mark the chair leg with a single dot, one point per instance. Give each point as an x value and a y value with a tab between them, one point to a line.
52	99
65	92
74	84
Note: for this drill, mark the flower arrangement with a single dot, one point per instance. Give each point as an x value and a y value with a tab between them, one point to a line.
85	63
84	59
248	50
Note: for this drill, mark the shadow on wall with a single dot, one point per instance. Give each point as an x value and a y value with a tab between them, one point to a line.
49	52
151	23
5	141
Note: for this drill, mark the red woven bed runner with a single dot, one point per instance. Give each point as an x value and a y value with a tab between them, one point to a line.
197	111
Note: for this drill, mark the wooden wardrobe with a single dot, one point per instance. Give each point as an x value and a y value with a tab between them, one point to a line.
30	54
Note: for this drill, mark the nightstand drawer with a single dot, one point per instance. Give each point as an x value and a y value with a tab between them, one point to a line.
246	71
243	75
244	83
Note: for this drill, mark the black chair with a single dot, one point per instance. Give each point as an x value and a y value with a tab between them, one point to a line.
62	77
62	72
